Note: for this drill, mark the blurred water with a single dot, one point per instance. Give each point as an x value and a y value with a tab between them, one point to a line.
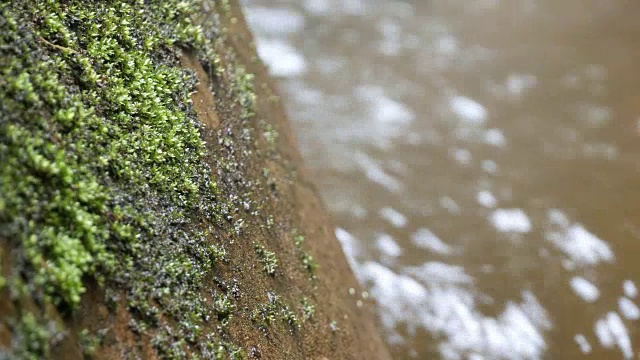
481	159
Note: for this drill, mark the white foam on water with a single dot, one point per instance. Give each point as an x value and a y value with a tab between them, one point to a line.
351	7
399	296
489	166
510	221
486	199
558	218
282	59
391	111
437	272
393	216
425	239
386	118
628	309
583	344
317	7
495	137
274	21
383	109
447	45
517	84
388	246
328	7
611	332
391	33
518	327
468	109
462	156
630	289
581	246
307	95
603	333
584	289
440	303
450	205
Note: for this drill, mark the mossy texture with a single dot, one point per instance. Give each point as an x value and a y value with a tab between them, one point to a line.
101	168
131	229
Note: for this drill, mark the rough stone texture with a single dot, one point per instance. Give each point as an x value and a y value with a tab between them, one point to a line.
226	252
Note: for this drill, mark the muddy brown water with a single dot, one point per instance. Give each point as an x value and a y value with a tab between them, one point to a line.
482	161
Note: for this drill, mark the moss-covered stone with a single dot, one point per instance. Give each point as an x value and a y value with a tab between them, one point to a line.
102	170
149	192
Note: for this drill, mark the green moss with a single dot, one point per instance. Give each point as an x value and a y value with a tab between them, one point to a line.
307	260
309	263
308	309
32	337
288	316
224	308
269	133
102	170
267	258
266	314
245	90
89	343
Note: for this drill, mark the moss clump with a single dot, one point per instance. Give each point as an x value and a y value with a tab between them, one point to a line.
266	314
307	260
102	171
32	337
269	133
308	309
89	343
224	307
267	259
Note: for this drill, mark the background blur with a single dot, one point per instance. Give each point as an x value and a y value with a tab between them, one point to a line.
482	162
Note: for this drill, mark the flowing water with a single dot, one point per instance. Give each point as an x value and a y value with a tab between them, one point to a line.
482	161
